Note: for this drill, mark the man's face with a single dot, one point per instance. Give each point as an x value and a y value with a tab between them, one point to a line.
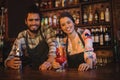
33	22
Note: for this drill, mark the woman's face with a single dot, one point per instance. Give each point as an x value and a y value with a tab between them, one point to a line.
67	25
33	22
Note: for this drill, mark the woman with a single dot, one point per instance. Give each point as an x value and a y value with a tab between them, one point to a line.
79	47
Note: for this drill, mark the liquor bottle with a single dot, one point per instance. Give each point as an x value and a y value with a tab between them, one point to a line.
50	20
54	21
107	15
19	54
96	37
58	3
96	16
90	16
46	20
50	4
101	36
85	18
102	14
74	15
106	36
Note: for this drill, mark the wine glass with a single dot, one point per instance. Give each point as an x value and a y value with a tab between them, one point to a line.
61	58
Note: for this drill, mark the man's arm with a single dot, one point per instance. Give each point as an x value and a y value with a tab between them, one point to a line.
49	35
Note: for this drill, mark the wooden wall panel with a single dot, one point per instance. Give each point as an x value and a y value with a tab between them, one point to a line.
16	14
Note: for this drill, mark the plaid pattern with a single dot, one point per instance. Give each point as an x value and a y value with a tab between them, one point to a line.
47	32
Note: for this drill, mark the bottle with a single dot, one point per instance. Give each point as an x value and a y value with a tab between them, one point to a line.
50	4
54	21
42	21
19	54
85	18
50	20
96	16
74	15
63	3
107	15
102	14
46	20
58	3
101	36
106	36
96	37
90	17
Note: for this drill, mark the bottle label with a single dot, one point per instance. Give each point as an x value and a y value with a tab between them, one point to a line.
106	38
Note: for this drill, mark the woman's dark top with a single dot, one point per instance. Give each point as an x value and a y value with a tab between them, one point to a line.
75	60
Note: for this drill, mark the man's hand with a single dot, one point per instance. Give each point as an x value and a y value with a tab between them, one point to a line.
45	66
14	63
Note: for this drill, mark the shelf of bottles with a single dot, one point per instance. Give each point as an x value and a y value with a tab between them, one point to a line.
57	4
98	13
51	18
97	18
51	10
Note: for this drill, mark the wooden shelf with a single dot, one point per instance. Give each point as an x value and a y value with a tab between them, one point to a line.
59	8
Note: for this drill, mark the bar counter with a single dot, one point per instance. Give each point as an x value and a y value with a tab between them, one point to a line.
107	72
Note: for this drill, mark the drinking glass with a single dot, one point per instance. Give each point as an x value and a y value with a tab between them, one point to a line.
61	58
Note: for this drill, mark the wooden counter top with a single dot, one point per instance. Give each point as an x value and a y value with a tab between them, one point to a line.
108	72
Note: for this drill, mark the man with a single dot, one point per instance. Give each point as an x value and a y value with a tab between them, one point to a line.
37	44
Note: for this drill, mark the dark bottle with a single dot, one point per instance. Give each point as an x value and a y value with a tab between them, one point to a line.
96	16
96	37
101	36
85	18
106	36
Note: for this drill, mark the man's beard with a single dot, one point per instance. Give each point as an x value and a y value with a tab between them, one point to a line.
34	31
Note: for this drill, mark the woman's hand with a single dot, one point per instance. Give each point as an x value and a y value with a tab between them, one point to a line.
83	67
56	65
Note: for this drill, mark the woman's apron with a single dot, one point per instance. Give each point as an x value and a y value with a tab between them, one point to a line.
75	60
